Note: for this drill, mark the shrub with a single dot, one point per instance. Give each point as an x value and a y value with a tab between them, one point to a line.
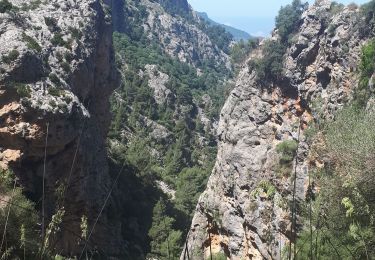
54	78
270	67
57	39
346	189
241	50
288	150
52	103
5	6
22	222
288	19
331	30
65	66
31	43
336	7
367	68
218	256
68	56
23	90
59	56
76	33
35	4
51	23
32	6
12	56
56	92
264	186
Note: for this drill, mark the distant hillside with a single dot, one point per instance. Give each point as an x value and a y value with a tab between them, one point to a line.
236	33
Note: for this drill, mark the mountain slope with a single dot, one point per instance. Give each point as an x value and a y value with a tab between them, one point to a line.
245	212
165	115
236	33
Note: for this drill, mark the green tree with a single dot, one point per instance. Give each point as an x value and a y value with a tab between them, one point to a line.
190	184
165	241
367	68
288	19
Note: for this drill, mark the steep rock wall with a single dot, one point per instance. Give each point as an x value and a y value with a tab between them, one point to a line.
238	214
61	77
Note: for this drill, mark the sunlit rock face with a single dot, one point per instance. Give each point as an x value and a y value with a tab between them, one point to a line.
244	212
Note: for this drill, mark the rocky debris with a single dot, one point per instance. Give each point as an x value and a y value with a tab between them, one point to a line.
158	132
248	193
56	75
166	189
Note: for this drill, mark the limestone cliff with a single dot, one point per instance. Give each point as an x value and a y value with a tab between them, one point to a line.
56	75
245	211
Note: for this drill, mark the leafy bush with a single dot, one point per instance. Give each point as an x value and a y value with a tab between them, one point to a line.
76	33
54	79
270	67
31	43
288	150
343	213
65	66
56	92
22	222
23	90
288	19
217	256
367	68
190	184
12	56
57	39
165	241
51	23
336	7
241	50
5	6
264	187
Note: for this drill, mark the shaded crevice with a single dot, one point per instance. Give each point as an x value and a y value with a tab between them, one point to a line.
324	77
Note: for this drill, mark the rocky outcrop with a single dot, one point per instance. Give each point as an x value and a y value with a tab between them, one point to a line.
157	81
244	211
57	73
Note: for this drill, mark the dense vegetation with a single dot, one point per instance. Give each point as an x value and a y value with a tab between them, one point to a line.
20	232
341	223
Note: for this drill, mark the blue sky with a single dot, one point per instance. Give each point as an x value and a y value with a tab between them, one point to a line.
254	16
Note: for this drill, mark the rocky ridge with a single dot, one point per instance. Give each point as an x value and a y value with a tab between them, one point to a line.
56	77
244	211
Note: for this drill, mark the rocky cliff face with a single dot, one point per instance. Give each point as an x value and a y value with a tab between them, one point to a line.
56	75
244	211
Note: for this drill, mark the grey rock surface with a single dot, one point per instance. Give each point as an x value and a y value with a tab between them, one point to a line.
60	79
237	210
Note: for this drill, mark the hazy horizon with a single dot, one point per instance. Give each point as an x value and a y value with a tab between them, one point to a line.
254	17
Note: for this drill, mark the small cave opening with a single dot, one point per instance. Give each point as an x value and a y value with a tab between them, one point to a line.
324	77
335	43
288	89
